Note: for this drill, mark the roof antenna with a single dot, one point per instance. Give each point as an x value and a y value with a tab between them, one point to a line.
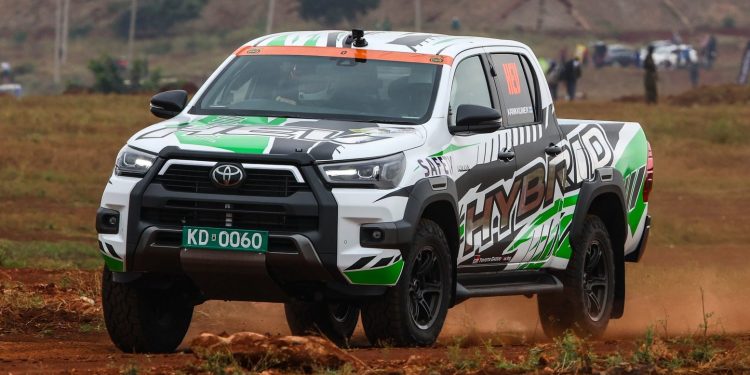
356	38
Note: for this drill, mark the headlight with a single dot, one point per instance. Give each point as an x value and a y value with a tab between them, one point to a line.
132	162
383	173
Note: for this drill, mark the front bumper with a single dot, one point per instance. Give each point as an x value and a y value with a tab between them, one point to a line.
302	258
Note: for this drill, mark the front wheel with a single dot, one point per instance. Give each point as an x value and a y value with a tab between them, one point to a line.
144	320
334	321
412	312
585	305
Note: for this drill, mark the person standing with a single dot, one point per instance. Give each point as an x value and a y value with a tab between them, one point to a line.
744	66
6	73
650	77
554	72
694	71
572	73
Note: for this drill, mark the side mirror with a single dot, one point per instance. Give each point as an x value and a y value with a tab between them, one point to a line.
476	118
168	104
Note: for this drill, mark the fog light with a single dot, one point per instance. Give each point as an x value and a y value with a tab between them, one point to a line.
107	221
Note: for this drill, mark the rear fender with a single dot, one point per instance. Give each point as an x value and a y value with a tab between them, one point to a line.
604	196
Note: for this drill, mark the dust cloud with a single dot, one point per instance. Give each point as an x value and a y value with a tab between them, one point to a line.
663	292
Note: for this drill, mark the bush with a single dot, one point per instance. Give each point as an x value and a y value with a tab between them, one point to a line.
156	17
107	75
331	12
728	22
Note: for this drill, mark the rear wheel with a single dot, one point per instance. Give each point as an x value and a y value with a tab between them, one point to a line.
412	312
144	320
334	321
585	305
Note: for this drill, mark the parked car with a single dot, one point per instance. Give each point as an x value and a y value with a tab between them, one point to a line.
391	174
619	55
669	55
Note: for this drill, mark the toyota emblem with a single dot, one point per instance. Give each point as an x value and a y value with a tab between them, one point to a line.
227	175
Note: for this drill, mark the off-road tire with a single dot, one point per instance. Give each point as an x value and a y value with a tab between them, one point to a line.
318	318
144	320
560	312
387	319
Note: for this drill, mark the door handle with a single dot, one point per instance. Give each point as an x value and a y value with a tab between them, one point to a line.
553	149
506	155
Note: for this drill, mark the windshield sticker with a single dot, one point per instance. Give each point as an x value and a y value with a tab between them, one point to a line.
359	54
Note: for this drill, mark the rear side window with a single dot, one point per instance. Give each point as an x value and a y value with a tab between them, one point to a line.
516	89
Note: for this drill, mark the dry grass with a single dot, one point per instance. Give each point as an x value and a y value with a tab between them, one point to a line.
51	308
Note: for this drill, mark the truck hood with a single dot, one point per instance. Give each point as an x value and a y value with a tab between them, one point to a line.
322	139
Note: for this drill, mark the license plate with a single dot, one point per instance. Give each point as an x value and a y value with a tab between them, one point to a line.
224	239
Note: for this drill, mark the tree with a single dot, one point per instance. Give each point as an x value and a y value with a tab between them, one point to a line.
332	12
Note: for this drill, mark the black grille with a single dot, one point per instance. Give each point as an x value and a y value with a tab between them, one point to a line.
259	182
216	214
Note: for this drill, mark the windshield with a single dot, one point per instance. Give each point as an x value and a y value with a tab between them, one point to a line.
323	87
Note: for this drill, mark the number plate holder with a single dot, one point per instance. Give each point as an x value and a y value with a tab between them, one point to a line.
225	239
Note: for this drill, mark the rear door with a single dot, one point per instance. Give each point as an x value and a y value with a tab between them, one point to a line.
534	136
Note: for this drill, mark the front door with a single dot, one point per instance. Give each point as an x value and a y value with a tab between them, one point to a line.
485	163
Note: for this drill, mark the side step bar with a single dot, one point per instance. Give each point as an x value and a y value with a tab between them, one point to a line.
505	284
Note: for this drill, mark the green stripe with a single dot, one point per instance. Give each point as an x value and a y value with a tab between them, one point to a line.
278	41
251	144
114	265
313	41
633	158
449	149
543	217
387	275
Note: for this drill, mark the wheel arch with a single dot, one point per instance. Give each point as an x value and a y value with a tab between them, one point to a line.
604	197
430	200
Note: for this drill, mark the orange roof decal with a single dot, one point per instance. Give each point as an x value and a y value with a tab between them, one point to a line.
346	53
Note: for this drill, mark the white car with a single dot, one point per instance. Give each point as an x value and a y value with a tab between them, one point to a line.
672	55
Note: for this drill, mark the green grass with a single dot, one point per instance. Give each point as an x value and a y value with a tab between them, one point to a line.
49	255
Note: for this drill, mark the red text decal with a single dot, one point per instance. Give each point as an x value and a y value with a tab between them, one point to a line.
511	77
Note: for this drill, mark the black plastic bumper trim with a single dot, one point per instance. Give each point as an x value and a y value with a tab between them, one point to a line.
637	254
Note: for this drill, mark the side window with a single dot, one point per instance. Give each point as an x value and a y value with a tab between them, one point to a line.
469	86
515	90
530	80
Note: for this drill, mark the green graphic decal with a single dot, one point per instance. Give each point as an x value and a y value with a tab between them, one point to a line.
449	149
243	144
114	265
387	275
312	41
633	159
278	41
235	143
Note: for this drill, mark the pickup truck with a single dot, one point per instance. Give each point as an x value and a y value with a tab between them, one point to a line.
390	175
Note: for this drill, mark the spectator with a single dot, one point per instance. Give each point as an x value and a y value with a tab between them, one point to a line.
694	70
744	66
554	72
651	77
571	74
455	23
6	72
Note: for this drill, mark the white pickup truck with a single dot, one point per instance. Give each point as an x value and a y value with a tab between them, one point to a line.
390	174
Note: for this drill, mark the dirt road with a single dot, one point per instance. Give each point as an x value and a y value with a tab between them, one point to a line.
668	299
